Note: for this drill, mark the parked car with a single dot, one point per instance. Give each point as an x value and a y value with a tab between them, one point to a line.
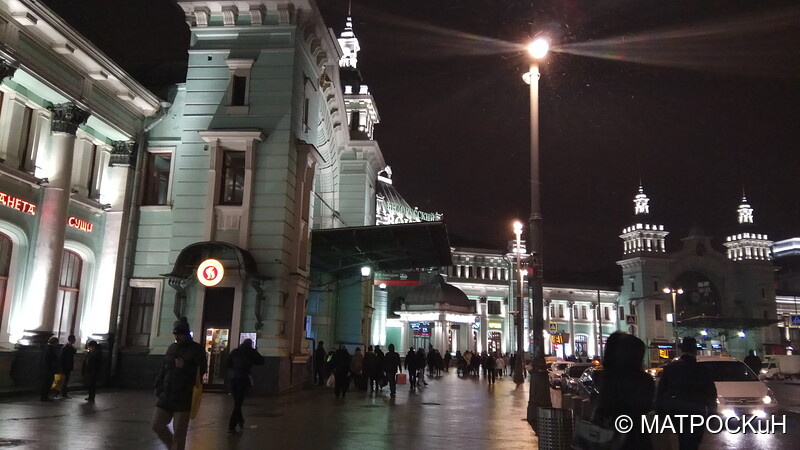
739	391
556	370
587	386
770	371
571	375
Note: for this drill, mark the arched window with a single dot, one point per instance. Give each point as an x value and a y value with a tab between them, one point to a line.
5	264
69	285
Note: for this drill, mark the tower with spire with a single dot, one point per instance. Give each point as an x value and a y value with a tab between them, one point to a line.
746	244
362	113
643	236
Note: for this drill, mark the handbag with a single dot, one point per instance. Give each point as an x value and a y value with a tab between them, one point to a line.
58	382
331	382
590	435
197	392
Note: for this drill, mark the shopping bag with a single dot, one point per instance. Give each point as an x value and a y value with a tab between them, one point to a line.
197	393
401	378
331	383
58	382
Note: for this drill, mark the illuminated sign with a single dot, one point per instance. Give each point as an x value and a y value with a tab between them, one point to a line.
210	272
80	224
559	338
663	354
421	329
495	325
10	201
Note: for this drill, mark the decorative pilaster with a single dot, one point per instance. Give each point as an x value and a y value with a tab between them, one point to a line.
123	153
571	308
6	70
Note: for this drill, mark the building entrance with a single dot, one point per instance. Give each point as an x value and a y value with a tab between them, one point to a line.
217	319
494	339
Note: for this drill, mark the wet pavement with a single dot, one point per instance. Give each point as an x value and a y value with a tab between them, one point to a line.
451	412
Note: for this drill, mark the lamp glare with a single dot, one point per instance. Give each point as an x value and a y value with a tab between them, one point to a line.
538	48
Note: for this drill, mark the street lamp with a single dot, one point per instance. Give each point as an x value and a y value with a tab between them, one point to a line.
674	292
539	395
519	375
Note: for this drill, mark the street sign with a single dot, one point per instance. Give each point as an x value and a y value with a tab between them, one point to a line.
795	321
630	320
553	327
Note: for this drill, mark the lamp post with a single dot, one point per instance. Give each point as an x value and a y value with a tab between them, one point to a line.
674	292
519	375
539	395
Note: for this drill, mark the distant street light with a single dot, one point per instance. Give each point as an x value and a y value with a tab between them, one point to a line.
674	292
539	395
519	375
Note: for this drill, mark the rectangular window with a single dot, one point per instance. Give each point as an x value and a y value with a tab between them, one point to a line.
90	183
621	313
232	178
552	310
305	113
140	316
633	286
606	315
561	311
157	178
655	285
238	90
658	312
25	141
493	307
583	312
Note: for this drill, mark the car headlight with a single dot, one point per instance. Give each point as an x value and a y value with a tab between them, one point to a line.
767	399
763	370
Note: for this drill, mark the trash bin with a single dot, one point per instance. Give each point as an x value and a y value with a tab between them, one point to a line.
554	428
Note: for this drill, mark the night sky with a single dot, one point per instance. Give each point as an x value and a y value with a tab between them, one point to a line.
697	99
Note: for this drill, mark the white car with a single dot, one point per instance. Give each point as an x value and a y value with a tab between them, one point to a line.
769	371
739	391
555	373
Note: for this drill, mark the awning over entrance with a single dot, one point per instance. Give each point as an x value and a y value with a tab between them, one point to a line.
382	247
192	255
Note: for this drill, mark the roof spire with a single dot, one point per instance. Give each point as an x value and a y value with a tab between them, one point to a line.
641	202
745	211
349	8
349	42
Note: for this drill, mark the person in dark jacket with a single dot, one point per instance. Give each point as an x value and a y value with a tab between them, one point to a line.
392	366
753	362
379	371
50	368
411	366
66	363
446	361
240	361
320	361
184	361
625	389
341	370
370	366
421	362
489	366
92	365
686	387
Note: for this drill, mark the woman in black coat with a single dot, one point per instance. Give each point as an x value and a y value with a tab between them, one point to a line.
625	388
91	368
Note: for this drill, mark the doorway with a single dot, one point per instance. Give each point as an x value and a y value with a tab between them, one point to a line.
217	320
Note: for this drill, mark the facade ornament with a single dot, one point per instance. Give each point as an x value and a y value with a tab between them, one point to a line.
123	153
67	117
6	70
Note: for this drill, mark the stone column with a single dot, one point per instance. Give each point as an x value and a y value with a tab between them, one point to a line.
571	308
484	324
53	220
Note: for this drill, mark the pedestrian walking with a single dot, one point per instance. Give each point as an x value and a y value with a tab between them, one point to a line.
490	367
506	361
92	365
512	363
184	361
50	368
411	367
625	389
753	362
420	363
357	368
446	361
240	362
319	364
391	366
380	369
66	363
341	370
499	365
686	387
370	366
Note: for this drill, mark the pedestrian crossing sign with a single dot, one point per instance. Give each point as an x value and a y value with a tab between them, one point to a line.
630	320
553	327
795	321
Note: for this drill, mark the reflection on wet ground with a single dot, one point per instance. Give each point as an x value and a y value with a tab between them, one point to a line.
451	412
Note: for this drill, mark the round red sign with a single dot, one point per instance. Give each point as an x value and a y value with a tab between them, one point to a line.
210	272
